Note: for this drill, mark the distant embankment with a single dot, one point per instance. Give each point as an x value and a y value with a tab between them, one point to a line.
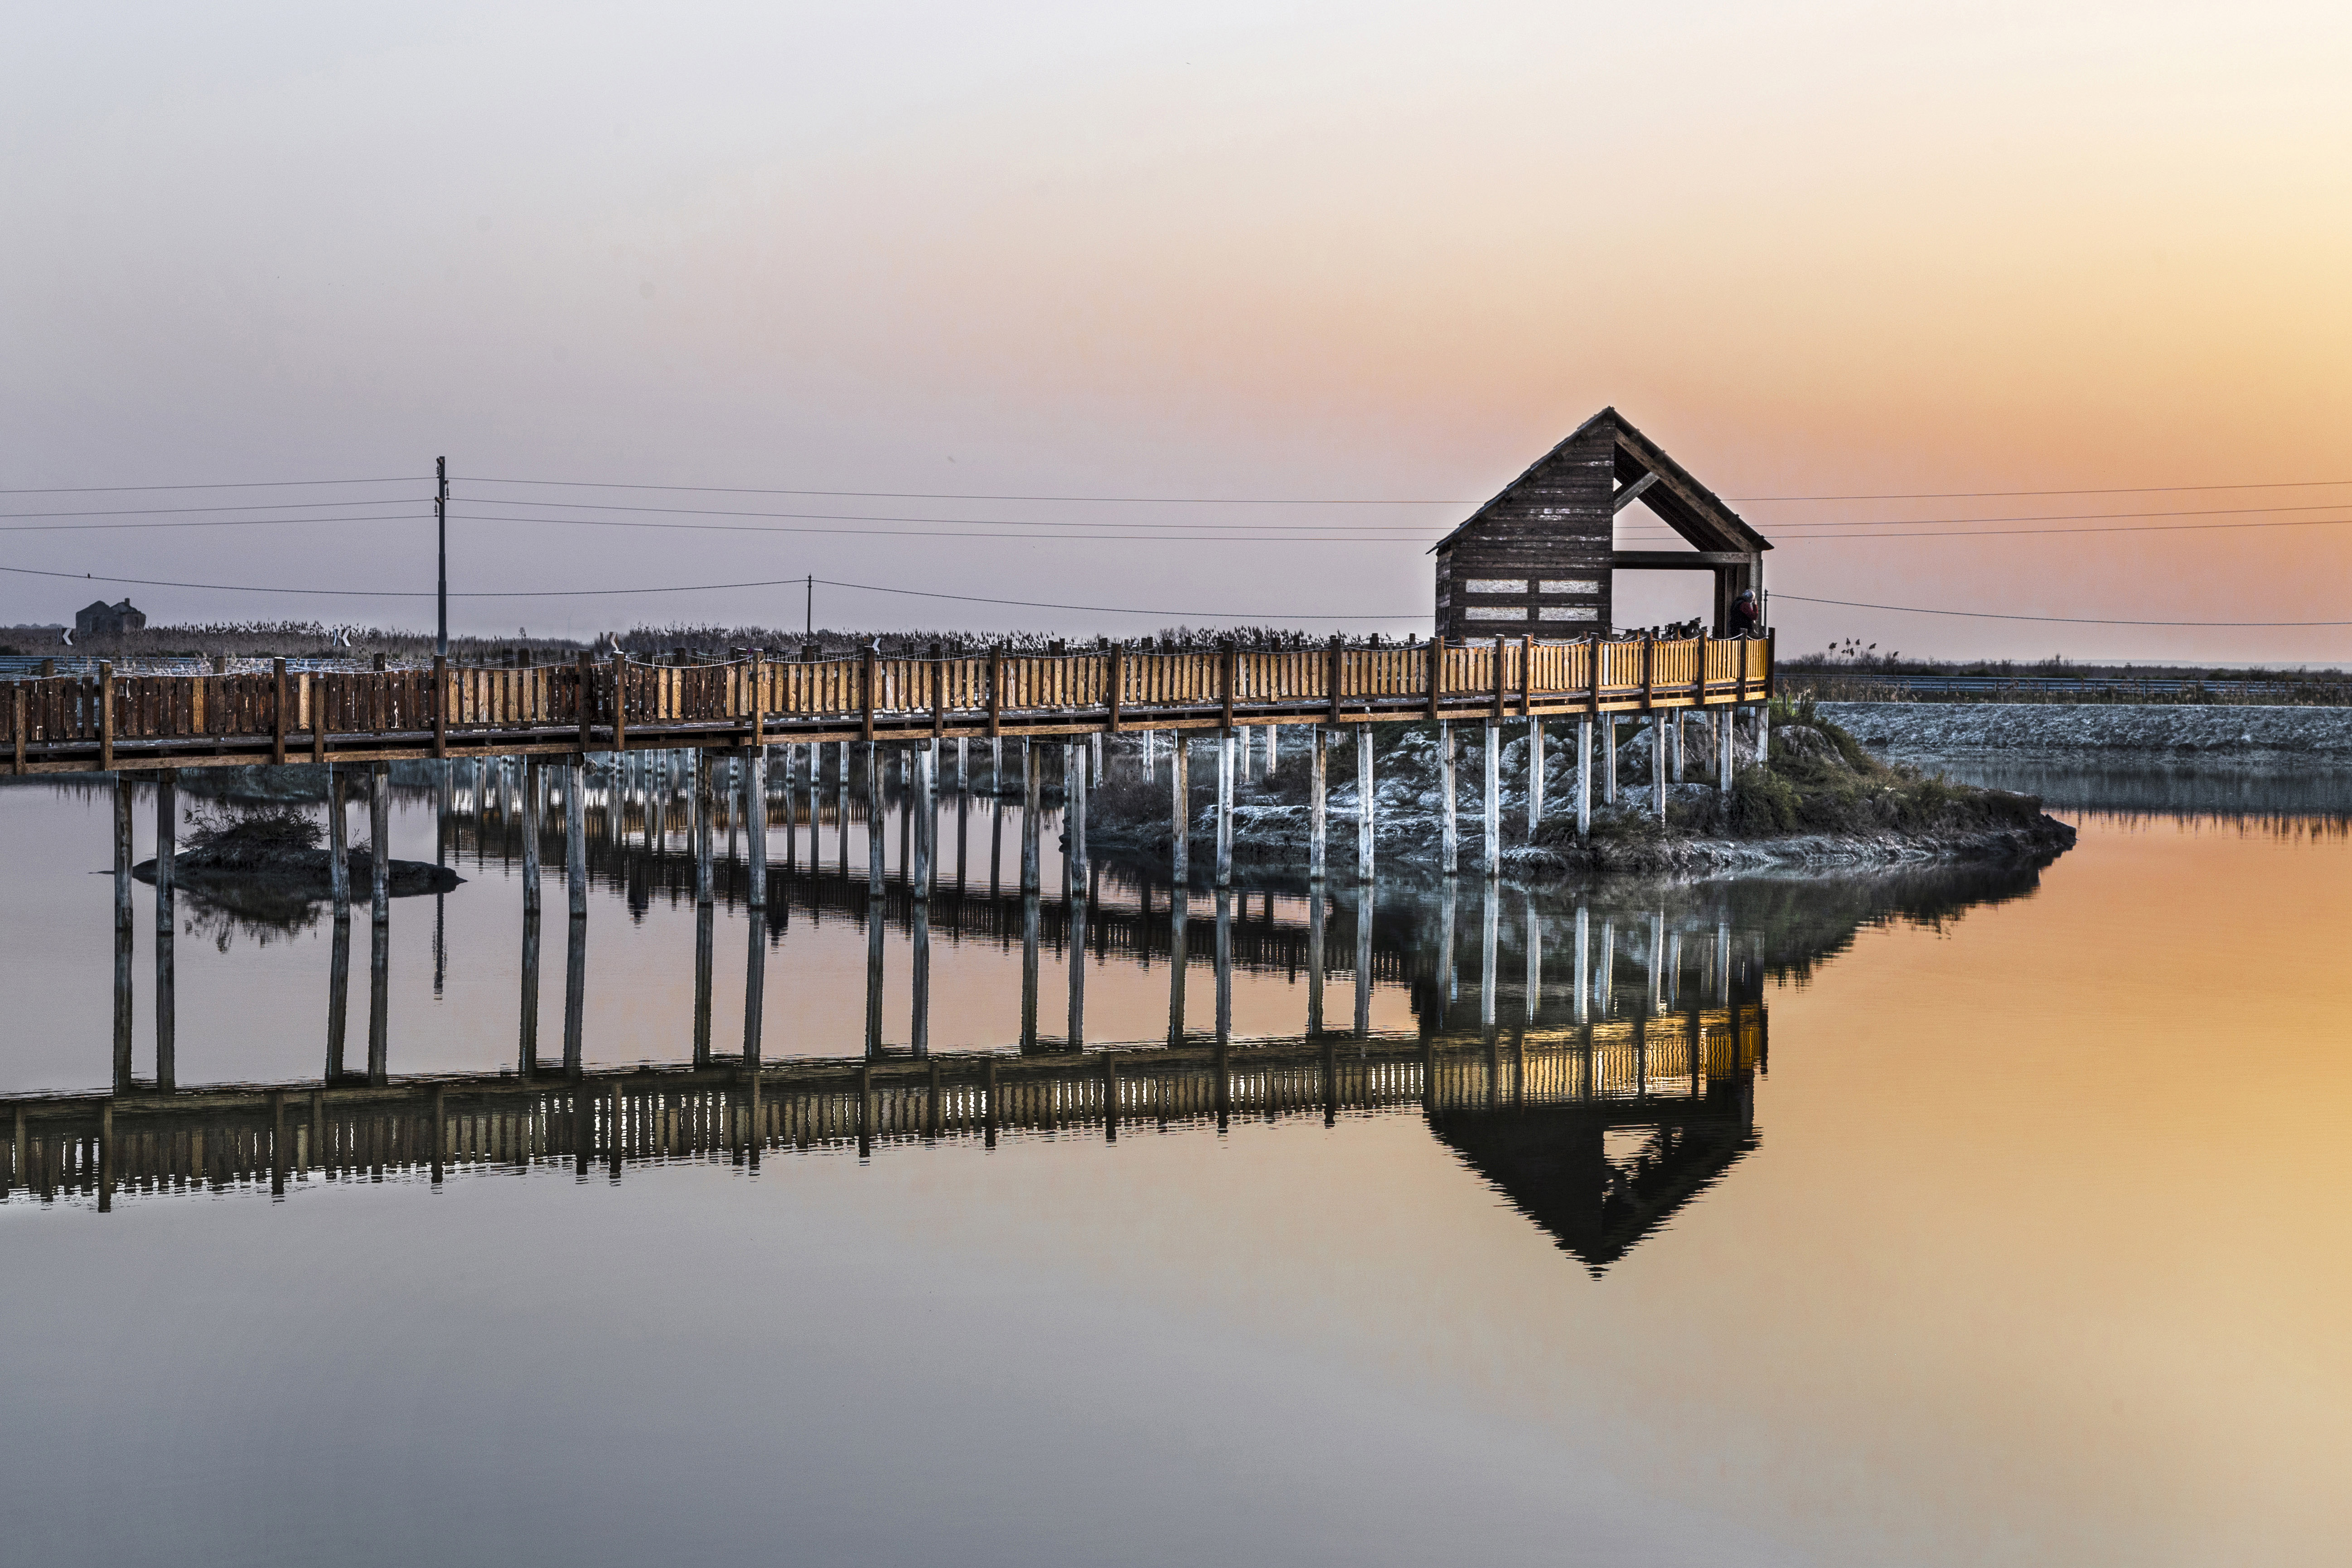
2156	735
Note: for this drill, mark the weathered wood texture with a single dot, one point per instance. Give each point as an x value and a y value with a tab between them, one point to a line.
1539	558
63	724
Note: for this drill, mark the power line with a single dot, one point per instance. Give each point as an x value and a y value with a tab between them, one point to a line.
681	588
175	510
2066	620
205	522
989	522
223	484
947	495
2110	490
1233	538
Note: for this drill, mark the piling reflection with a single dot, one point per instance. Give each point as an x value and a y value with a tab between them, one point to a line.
1597	1096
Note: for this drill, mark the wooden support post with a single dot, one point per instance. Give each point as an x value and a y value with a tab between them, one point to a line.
167	811
1366	796
1609	759
1450	842
877	832
1491	845
530	871
105	717
380	842
1535	776
919	1028
440	702
755	984
1075	1035
870	665
1334	673
1726	721
925	808
755	823
1583	778
1181	805
1658	761
1029	914
575	839
1224	866
1317	827
1074	788
123	938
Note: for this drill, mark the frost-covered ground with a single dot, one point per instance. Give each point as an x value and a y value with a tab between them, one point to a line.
1272	818
2180	734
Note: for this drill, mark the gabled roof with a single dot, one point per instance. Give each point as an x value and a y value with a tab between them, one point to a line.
1687	506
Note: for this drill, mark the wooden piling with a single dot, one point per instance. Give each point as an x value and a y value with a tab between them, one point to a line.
1658	762
755	822
380	842
1535	776
575	839
1181	798
1033	795
1366	799
1449	853
1075	819
1317	826
123	933
1583	778
167	811
1491	830
1224	863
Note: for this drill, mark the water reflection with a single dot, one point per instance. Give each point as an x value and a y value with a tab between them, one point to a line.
1597	1065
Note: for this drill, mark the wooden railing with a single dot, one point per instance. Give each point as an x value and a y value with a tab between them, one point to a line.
145	720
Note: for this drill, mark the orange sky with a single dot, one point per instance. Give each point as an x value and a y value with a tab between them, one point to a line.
1312	252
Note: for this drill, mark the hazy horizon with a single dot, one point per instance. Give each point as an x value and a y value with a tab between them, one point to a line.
1302	253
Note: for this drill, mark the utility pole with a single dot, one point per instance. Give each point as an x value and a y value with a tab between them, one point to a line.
441	529
811	605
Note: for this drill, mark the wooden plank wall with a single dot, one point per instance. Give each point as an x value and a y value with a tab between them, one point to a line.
1554	523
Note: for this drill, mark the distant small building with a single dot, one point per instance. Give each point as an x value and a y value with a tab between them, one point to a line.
1539	558
104	620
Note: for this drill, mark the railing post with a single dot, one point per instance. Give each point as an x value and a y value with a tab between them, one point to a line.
1649	674
1335	664
758	697
621	701
939	672
1502	677
312	699
587	676
440	702
1228	663
1527	674
1118	682
278	710
1437	672
996	696
105	716
870	663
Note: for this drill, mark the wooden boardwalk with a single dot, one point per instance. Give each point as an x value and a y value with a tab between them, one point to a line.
114	721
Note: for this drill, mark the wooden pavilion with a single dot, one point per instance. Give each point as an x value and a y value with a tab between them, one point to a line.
1539	558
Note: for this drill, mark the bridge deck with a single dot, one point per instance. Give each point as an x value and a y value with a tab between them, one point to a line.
71	724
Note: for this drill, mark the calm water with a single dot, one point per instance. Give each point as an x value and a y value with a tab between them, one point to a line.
1999	1216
